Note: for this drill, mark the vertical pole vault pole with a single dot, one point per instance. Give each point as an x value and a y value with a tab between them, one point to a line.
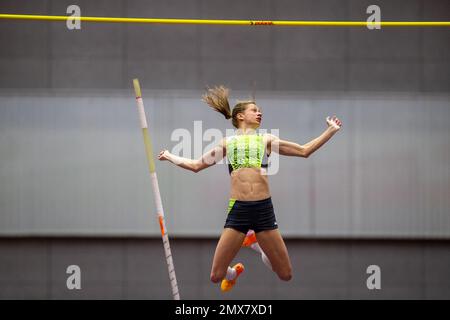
156	194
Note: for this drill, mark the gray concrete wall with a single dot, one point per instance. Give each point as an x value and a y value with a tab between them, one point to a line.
48	55
73	163
71	154
35	268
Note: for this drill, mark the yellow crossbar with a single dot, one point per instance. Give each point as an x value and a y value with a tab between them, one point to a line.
230	22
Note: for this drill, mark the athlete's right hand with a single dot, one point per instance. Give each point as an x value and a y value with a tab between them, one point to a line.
163	155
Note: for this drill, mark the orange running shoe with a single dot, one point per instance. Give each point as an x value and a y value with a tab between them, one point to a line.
249	239
227	285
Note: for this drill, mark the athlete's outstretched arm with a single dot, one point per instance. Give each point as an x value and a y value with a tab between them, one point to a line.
287	148
209	159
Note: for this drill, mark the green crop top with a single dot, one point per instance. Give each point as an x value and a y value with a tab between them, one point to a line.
246	151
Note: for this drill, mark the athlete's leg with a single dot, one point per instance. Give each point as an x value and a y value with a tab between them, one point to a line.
273	246
250	241
255	246
228	246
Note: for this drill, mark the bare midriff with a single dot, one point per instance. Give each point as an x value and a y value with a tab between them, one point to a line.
249	184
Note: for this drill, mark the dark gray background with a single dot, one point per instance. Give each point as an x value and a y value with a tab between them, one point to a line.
72	162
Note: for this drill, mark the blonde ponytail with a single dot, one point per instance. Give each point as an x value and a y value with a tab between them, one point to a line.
217	98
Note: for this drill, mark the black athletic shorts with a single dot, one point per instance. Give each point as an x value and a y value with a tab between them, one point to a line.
256	215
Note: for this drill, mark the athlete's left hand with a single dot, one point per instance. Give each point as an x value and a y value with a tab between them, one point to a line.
334	122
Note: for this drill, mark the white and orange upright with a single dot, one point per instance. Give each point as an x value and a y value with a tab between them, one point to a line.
156	193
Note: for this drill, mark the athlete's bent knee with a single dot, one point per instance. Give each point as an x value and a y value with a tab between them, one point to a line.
217	276
285	275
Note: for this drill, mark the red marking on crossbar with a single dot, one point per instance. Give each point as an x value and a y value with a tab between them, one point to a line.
262	23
